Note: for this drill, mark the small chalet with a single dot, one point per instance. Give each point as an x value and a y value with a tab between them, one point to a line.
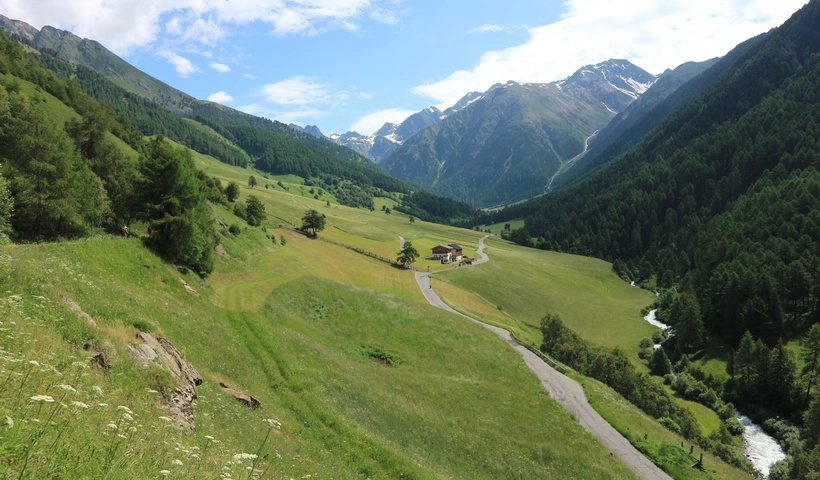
447	253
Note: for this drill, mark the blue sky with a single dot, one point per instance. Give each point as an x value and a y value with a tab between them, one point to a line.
354	64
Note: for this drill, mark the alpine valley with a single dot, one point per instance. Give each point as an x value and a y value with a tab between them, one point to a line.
606	276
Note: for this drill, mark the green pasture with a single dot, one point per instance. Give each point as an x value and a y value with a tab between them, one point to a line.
658	443
591	300
457	404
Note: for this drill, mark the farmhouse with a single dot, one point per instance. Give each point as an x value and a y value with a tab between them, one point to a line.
447	253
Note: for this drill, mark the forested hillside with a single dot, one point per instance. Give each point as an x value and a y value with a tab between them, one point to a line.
66	180
722	200
240	139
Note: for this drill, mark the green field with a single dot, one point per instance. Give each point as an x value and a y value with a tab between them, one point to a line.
295	325
526	283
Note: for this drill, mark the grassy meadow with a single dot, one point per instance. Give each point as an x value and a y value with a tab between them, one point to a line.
526	283
367	380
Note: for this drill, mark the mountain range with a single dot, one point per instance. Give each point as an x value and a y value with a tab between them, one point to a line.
509	142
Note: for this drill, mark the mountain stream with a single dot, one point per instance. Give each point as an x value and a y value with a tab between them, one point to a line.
761	449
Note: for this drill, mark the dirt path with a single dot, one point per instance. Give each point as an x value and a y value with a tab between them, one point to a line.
563	389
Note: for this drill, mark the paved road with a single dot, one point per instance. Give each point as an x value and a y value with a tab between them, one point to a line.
560	387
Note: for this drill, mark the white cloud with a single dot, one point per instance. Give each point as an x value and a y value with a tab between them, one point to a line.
490	28
131	24
654	34
219	67
248	75
220	97
183	66
373	121
300	90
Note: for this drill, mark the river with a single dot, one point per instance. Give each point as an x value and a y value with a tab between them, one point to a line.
759	447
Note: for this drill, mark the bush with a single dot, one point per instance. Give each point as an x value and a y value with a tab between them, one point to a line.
669	424
144	326
241	211
235	229
646	343
734	426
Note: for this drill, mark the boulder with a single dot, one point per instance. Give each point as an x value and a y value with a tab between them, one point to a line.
241	396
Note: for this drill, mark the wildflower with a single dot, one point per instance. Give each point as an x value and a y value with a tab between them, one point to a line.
177	462
79	405
273	423
81	365
244	456
42	398
9	422
67	388
122	436
103	404
209	437
132	429
112	426
97	391
150	390
127	417
123	407
33	362
164	473
165	419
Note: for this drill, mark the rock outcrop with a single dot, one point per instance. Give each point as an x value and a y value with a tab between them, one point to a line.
161	351
241	396
72	305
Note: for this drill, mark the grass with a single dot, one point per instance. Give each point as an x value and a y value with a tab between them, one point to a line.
295	326
591	300
459	403
660	444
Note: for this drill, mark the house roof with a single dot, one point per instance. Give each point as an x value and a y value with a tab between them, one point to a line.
454	246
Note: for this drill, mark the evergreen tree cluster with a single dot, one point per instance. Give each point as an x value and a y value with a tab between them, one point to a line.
65	181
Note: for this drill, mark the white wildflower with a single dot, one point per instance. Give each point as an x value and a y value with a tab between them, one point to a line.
9	422
273	423
80	365
177	462
123	407
165	419
164	473
97	391
239	457
209	437
103	404
127	417
67	388
112	426
79	404
33	362
122	436
42	398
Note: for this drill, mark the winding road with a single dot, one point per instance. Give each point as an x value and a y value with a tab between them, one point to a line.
560	387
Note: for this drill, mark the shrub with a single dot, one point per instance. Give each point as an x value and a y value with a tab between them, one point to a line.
144	326
235	229
646	343
669	424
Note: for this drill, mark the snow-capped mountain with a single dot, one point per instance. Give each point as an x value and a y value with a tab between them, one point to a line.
615	83
391	136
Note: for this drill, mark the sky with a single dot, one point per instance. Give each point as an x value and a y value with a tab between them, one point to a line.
352	65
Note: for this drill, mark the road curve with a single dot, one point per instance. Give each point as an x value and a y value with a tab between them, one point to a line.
560	387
